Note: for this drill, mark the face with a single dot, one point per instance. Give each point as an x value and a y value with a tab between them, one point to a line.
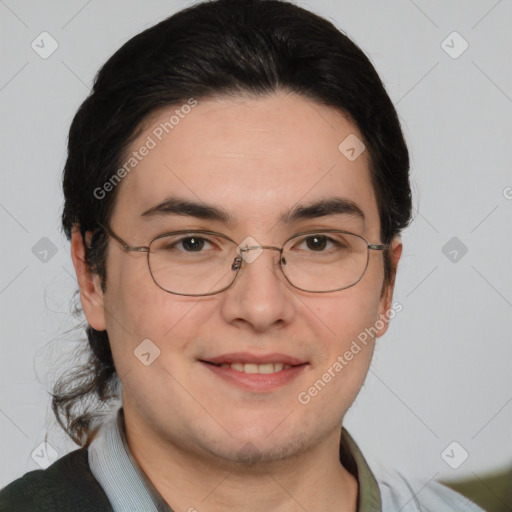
255	160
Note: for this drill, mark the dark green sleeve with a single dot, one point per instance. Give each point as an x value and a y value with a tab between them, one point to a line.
67	485
493	492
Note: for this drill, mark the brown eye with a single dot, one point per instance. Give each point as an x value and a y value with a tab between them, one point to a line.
316	242
192	243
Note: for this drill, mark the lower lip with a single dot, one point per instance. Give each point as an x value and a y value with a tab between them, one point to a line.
257	381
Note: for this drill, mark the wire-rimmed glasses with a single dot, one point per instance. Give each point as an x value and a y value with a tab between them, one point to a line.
199	263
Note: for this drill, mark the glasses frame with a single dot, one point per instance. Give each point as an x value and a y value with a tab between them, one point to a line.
237	262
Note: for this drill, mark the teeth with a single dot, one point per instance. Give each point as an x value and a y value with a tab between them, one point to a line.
265	368
254	368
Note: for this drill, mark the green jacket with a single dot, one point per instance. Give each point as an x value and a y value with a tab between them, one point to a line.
66	486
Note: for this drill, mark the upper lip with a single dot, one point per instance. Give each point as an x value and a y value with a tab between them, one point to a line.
247	357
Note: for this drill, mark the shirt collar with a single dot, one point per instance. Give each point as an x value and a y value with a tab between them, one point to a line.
114	466
368	498
128	488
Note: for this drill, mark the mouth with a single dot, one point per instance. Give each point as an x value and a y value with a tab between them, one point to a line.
261	373
262	369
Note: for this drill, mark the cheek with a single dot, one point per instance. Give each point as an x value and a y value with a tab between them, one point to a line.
349	348
345	351
346	328
343	315
137	310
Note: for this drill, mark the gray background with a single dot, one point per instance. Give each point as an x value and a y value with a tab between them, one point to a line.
443	371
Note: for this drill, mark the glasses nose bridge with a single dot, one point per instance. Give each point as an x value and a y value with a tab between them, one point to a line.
259	248
271	247
237	264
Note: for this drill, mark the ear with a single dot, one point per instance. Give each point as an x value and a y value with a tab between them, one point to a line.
385	307
91	294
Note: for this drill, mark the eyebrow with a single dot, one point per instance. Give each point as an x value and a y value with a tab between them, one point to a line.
185	207
188	208
323	208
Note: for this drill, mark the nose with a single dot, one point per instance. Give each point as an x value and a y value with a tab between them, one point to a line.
260	297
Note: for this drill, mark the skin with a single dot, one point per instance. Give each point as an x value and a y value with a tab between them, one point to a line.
204	442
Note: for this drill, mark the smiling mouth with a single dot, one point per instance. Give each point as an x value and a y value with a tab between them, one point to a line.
256	373
263	369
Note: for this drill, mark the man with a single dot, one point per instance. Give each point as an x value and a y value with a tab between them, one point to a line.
235	189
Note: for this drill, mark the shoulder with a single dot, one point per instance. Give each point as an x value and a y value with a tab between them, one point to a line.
415	495
67	484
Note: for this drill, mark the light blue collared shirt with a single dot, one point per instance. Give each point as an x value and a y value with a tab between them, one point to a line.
130	490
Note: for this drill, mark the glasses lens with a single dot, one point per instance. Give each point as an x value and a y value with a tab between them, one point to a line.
195	263
323	262
201	263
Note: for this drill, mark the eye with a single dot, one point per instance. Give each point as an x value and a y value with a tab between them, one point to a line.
192	243
316	242
321	244
184	244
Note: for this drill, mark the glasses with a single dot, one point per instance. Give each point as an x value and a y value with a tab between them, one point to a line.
199	263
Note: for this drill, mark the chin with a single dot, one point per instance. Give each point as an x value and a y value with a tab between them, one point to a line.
261	432
250	453
251	445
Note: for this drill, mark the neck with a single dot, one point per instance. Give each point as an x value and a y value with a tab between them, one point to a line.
188	480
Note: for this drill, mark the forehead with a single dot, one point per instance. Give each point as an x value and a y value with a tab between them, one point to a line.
257	157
